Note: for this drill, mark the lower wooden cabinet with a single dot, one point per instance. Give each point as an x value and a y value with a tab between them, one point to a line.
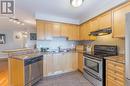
59	63
80	61
115	73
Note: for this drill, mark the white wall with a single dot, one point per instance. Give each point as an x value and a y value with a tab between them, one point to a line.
10	29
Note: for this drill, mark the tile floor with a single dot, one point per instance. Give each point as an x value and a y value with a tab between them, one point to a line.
69	79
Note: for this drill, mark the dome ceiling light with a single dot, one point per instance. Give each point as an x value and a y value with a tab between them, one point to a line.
76	3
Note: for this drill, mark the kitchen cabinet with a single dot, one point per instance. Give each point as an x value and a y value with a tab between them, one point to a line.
73	32
48	67
58	63
94	24
118	20
80	50
56	29
70	31
105	20
40	30
115	73
85	30
47	30
65	30
80	61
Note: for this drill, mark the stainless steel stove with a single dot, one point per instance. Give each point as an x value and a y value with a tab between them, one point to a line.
94	63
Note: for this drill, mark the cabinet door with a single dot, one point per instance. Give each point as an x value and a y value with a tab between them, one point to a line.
80	61
94	24
48	65
74	57
119	20
74	32
84	31
58	65
65	30
56	29
40	30
68	61
48	30
105	20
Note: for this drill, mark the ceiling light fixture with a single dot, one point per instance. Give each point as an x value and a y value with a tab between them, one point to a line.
76	3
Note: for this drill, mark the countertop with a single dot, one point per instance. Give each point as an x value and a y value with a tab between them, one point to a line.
25	56
120	58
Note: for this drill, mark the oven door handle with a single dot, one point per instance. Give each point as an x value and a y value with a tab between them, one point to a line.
92	59
95	60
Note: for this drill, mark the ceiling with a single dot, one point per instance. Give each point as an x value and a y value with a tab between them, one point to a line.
61	10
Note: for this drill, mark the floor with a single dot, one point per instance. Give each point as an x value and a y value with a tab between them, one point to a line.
3	73
70	79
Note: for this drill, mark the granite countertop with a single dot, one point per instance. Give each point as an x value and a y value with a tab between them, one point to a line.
120	58
25	56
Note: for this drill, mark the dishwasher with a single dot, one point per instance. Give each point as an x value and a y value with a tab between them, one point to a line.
33	70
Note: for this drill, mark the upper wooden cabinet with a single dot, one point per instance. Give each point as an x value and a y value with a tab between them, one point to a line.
118	20
105	20
94	24
40	30
65	30
85	30
73	32
56	29
46	30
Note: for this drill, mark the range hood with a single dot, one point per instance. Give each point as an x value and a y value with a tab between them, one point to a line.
101	32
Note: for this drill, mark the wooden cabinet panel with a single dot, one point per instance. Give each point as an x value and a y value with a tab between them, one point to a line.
74	61
119	20
85	30
48	30
74	32
94	24
65	30
115	74
59	63
40	30
80	61
105	20
56	29
48	65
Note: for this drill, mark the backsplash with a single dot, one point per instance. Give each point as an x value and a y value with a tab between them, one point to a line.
55	43
108	40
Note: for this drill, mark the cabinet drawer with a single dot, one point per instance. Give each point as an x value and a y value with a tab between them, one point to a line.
118	67
111	81
114	78
115	73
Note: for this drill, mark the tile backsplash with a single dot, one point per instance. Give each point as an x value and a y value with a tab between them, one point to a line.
55	43
108	40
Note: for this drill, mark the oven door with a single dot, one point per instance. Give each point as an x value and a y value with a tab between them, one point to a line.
94	66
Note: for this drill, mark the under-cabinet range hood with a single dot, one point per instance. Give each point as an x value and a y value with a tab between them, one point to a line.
101	32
